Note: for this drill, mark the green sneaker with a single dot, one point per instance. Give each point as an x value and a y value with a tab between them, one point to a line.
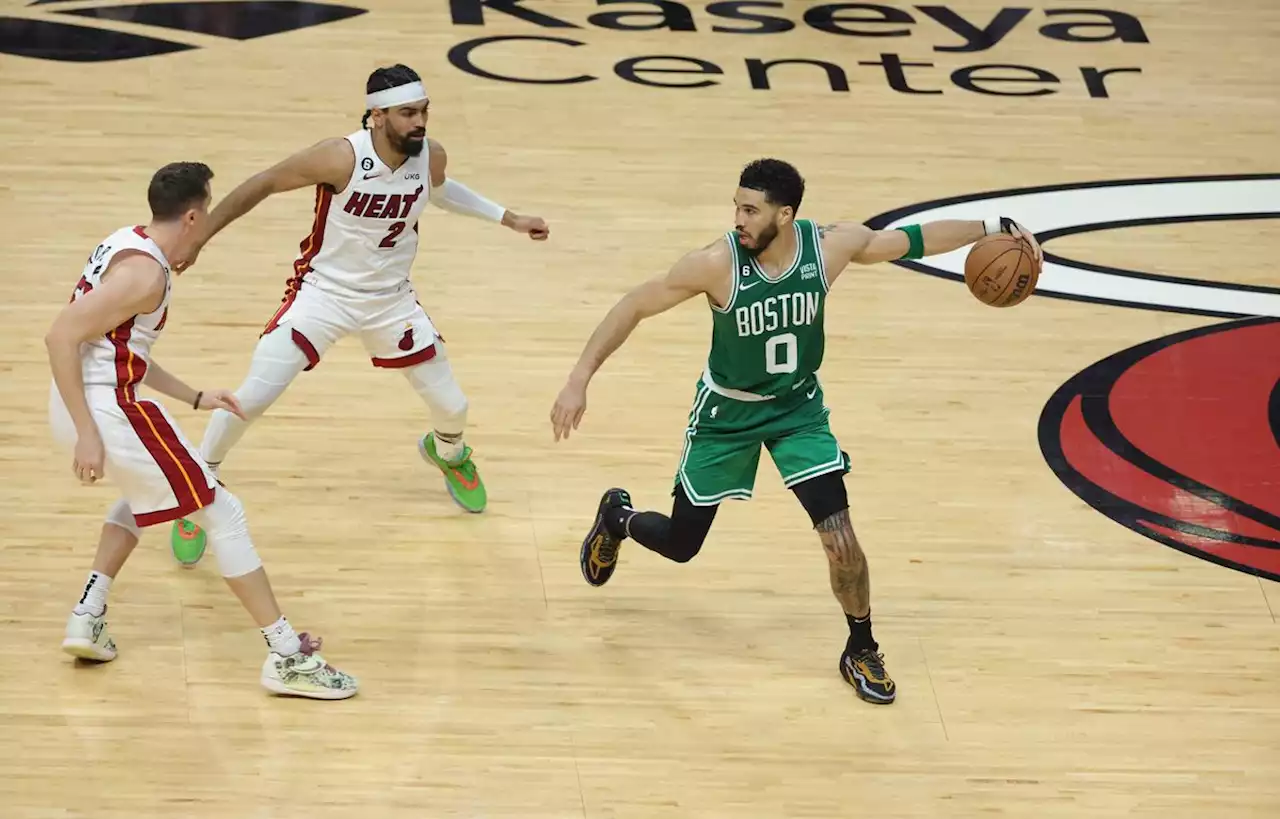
460	475
187	542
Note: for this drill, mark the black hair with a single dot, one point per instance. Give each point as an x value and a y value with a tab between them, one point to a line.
388	77
178	187
780	182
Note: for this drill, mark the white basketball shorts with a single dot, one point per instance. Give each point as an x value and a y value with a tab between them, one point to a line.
158	471
392	325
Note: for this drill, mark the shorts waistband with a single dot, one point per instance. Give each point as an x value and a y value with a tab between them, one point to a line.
728	392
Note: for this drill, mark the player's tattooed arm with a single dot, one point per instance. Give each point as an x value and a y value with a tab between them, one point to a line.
931	239
845	243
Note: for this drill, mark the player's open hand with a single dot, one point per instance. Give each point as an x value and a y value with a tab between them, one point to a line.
223	400
89	458
534	226
1019	232
569	408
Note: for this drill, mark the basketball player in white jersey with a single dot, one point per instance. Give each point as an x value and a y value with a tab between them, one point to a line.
353	276
100	353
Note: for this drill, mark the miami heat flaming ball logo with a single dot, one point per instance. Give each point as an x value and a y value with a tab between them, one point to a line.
1177	438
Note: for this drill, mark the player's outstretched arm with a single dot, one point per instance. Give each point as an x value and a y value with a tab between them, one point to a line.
328	162
695	273
845	242
166	383
135	285
453	196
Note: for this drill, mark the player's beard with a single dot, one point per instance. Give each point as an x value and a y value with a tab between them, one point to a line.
763	241
408	146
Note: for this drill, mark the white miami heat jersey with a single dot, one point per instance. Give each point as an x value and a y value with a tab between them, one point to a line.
120	358
365	237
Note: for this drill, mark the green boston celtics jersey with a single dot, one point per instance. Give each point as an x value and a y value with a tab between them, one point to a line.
768	340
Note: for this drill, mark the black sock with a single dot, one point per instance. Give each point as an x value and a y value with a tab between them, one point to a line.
860	638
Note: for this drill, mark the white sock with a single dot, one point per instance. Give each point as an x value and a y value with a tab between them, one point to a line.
281	638
448	446
94	599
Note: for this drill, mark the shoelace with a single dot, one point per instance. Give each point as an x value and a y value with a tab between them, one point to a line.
873	661
608	551
464	463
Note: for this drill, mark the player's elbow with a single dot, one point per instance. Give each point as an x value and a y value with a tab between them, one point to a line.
631	310
270	182
59	344
59	338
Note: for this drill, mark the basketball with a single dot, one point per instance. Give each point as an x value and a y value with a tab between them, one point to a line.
1001	270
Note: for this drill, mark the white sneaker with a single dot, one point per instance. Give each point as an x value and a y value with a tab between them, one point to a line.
87	637
306	674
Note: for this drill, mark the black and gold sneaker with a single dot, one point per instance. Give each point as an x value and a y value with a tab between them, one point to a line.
865	671
599	555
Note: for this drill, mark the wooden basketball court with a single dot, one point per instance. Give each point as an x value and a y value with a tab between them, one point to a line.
1051	662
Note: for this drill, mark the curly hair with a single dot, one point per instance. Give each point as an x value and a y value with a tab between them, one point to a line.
780	182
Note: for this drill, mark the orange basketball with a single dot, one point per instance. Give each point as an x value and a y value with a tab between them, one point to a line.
1001	270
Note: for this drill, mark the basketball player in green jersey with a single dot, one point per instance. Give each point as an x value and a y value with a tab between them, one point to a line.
766	284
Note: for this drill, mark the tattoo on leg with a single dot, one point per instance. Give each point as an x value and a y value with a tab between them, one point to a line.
850	575
837	533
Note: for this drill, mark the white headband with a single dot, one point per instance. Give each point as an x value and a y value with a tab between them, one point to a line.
391	97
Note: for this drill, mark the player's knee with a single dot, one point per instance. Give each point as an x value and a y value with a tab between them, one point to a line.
121	515
253	405
684	552
228	535
685	545
839	540
276	362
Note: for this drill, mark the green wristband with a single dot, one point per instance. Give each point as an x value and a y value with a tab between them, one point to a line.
916	250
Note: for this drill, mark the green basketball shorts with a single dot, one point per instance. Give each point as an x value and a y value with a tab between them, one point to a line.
723	439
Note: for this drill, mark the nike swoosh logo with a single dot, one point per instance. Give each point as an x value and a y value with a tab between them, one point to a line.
372	175
745	286
812	392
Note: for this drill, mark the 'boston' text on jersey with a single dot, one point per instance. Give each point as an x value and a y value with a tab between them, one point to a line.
776	312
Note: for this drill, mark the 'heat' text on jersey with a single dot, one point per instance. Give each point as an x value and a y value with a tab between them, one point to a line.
381	205
774	312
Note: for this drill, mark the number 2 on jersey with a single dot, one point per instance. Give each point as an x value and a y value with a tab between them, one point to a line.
390	239
780	354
